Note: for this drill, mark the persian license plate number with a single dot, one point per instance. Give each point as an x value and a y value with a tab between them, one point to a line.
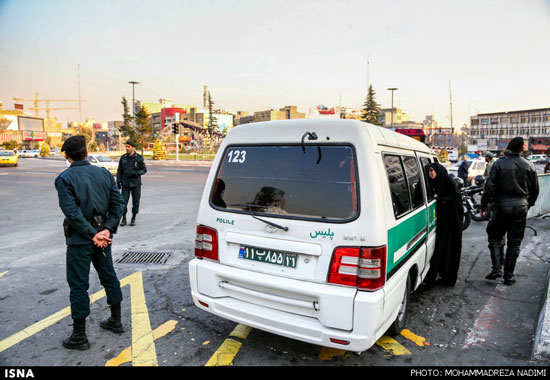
285	259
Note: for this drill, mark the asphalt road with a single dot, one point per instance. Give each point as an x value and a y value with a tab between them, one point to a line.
476	323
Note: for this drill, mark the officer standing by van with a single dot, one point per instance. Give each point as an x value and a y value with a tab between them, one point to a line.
92	206
511	189
131	167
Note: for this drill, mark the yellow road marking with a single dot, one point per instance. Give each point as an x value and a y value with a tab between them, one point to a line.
143	352
230	347
420	341
241	331
3	273
143	346
327	353
126	355
392	346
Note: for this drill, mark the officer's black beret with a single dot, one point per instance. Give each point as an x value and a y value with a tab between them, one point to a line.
130	142
516	144
74	144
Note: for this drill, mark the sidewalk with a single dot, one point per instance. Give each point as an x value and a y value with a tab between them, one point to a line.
541	349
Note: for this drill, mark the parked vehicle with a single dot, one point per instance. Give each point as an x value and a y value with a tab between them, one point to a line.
471	200
317	230
8	157
453	154
101	161
477	167
536	158
26	153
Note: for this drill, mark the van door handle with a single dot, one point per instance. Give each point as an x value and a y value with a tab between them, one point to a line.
416	238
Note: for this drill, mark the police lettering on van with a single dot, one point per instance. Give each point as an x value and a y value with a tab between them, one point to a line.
316	230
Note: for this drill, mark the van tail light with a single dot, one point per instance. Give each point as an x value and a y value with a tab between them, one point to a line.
360	267
206	243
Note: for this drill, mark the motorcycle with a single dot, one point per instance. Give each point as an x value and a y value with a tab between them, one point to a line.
471	201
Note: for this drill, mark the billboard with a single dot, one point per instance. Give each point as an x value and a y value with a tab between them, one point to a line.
27	123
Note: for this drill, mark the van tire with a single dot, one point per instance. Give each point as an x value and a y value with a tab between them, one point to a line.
399	323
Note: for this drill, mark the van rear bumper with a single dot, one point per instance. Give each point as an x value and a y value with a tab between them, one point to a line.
367	310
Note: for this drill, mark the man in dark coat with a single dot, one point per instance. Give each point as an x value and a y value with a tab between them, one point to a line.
511	189
92	206
463	170
131	167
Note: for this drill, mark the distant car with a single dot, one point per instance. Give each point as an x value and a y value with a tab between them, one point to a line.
25	153
102	161
477	167
535	158
8	157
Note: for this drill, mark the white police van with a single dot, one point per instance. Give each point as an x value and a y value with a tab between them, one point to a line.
316	230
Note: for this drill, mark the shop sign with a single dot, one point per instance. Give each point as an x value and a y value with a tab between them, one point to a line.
34	135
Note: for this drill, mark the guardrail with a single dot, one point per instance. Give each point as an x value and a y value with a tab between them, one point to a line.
542	205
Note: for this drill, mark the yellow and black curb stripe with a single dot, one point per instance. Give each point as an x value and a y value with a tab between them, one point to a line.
230	347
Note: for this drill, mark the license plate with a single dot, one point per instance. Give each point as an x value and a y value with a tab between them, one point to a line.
285	259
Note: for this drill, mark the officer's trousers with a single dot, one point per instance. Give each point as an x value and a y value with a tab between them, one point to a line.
508	219
78	259
136	195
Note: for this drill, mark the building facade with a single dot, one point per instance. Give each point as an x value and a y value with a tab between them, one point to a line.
493	131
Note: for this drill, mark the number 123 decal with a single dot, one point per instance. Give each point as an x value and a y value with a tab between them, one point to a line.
237	156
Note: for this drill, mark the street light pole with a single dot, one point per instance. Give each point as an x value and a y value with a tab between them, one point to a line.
392	89
133	83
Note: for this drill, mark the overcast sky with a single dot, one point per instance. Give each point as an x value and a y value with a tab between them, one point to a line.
256	55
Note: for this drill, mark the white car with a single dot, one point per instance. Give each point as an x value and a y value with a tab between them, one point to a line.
477	167
537	157
28	153
102	161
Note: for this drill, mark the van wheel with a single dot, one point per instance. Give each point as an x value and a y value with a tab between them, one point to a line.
399	323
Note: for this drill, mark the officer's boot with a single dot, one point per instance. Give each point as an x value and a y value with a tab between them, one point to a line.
509	266
123	222
113	323
133	221
496	258
78	339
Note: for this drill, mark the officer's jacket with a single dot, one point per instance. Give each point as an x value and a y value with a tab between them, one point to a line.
86	191
130	170
512	177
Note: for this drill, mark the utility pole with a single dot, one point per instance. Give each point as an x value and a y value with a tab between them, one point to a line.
451	103
392	89
133	83
79	101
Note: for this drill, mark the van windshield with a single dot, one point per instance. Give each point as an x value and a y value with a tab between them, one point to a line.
285	181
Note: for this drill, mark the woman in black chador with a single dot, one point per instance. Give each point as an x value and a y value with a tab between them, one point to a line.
450	214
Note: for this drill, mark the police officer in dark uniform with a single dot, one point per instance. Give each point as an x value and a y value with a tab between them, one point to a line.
511	189
131	167
92	205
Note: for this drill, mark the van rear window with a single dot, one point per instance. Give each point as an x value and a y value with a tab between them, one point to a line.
285	181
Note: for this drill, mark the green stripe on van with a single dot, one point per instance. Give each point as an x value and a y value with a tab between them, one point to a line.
401	234
432	216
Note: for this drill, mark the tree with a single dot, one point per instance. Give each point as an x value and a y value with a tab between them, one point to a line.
4	124
212	121
144	129
126	129
371	109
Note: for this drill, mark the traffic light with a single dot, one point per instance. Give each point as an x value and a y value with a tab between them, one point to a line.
175	129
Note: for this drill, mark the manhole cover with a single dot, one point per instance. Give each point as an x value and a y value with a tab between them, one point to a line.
144	257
